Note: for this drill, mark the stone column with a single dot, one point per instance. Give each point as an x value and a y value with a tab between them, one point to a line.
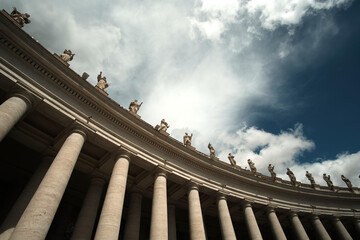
87	216
357	226
23	200
132	226
340	228
197	230
298	227
37	217
172	222
110	218
227	229
251	224
320	229
159	219
12	110
275	224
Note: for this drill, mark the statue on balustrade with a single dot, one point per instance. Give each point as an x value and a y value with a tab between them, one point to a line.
67	56
163	126
311	178
134	106
102	83
187	139
328	181
252	166
291	176
231	159
347	181
271	170
20	18
212	151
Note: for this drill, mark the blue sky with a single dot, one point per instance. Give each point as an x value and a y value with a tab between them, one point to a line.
274	81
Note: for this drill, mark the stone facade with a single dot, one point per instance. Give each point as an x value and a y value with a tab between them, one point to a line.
76	165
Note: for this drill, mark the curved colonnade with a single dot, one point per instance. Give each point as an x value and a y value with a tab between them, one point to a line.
69	127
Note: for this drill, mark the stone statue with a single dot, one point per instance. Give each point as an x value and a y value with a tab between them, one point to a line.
232	160
67	56
347	181
271	170
134	106
102	83
187	139
19	17
163	125
310	177
291	176
328	181
212	151
252	166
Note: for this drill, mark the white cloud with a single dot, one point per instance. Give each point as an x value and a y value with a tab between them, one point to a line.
273	14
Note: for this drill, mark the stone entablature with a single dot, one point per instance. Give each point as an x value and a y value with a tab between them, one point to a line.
60	87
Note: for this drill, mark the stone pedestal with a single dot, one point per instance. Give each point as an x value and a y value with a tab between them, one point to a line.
197	231
11	111
110	218
87	216
36	219
159	219
132	226
227	229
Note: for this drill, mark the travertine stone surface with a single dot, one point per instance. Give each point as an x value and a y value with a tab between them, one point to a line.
36	219
340	228
298	227
87	216
110	218
11	111
320	229
275	224
132	226
251	224
159	219
23	200
172	222
197	231
227	228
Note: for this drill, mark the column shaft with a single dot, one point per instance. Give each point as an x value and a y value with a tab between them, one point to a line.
10	113
298	227
357	226
159	219
37	217
110	218
320	229
172	222
227	229
87	216
23	200
132	227
197	231
251	224
340	228
275	225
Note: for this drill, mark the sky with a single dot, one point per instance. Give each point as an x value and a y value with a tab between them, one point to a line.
274	81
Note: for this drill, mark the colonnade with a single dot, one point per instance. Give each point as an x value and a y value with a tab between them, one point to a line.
33	212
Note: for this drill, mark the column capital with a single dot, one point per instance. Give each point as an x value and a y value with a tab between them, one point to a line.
24	95
193	185
79	131
160	172
122	154
246	203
